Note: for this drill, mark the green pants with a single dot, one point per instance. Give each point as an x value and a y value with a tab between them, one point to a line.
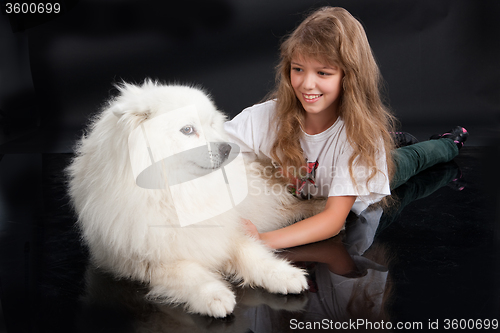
412	159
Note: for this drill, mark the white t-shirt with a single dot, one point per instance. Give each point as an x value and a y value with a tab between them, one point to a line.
327	155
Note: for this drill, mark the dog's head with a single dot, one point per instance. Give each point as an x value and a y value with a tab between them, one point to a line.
178	126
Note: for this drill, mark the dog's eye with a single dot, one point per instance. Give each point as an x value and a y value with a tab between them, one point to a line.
188	130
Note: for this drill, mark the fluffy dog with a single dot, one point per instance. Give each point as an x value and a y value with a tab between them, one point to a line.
131	220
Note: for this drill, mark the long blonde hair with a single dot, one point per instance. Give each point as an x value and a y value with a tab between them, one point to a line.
332	35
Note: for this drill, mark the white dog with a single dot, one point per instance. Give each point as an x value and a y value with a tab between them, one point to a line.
130	215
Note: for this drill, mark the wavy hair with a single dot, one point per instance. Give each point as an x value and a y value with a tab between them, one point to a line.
333	36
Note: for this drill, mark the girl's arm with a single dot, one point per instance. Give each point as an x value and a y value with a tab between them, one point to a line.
321	226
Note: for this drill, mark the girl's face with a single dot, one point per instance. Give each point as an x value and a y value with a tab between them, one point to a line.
316	85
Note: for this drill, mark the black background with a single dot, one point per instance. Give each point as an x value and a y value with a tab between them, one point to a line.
439	59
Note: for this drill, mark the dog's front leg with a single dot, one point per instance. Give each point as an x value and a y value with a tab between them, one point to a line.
189	282
255	265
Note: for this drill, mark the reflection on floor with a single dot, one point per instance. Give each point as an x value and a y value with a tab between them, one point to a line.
432	256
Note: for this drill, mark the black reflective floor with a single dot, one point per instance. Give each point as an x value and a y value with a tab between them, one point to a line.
433	256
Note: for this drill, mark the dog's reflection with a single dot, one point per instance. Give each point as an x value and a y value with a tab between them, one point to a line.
113	305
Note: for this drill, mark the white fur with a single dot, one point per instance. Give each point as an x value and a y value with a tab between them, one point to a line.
119	220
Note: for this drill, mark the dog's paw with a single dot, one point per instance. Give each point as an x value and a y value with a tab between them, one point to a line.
214	299
285	279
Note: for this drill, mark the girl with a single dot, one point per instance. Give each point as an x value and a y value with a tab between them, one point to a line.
327	109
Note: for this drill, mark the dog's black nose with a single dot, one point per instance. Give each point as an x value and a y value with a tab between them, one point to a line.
224	150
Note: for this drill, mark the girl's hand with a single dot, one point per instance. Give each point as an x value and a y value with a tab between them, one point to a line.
316	228
250	229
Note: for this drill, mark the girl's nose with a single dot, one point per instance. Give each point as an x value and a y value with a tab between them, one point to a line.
309	82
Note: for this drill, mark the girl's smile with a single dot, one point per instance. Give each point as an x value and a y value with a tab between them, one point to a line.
311	98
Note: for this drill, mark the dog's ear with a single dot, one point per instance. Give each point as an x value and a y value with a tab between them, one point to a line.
118	110
132	112
129	103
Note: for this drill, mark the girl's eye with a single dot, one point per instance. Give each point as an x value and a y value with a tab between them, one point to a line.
296	69
188	130
323	73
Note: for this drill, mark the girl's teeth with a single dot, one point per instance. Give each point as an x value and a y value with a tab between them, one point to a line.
311	96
